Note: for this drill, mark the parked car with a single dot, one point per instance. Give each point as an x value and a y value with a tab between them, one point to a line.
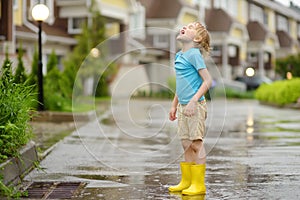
253	82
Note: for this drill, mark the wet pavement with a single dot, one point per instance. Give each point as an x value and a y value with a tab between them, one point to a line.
132	152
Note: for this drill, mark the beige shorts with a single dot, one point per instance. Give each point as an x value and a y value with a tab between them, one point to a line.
192	128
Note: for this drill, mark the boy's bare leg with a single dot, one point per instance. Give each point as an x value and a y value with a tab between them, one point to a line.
188	152
199	151
194	151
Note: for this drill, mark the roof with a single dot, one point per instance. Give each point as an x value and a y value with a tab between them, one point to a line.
218	20
256	31
48	29
163	9
279	8
285	40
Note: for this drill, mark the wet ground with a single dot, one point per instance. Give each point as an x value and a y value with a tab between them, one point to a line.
132	152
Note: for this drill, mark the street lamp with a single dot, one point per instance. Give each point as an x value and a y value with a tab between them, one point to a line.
250	72
40	13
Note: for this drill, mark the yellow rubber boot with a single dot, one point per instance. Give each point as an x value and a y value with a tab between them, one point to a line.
197	182
185	182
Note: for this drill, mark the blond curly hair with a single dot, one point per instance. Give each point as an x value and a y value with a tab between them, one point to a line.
202	39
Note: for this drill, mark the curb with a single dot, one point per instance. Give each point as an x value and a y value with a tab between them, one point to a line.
57	117
14	169
48	151
290	106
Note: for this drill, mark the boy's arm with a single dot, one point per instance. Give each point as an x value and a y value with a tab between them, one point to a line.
175	101
172	113
206	84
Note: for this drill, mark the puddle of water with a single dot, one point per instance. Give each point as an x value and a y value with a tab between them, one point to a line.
109	121
89	168
279	125
101	177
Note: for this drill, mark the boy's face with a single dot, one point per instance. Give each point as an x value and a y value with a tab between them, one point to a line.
187	33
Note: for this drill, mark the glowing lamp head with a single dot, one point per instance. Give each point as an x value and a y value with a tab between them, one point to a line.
250	72
40	12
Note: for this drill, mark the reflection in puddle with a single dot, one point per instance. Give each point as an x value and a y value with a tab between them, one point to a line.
89	168
108	121
257	158
117	179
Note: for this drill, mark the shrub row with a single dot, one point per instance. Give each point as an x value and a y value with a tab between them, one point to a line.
16	100
280	93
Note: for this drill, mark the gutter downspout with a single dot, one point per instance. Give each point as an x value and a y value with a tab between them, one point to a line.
137	45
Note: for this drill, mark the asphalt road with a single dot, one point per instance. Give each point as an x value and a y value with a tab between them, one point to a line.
132	152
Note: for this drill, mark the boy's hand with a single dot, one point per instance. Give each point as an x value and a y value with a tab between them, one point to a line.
190	109
172	114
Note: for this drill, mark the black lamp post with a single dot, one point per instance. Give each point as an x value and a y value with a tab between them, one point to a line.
40	13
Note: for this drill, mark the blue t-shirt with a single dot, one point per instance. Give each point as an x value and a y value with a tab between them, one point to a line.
188	80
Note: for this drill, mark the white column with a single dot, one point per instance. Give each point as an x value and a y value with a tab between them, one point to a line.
225	60
172	47
261	70
201	4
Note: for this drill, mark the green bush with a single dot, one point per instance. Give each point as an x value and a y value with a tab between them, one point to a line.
280	92
172	83
55	97
14	116
20	75
235	94
288	64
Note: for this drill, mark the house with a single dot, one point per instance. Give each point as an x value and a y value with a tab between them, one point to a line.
142	33
251	33
64	22
244	33
163	21
25	32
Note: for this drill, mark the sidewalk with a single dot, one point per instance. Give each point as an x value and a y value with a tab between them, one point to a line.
132	152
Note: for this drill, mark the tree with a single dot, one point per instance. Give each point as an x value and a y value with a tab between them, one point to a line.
55	98
20	75
6	67
92	35
289	64
32	79
52	61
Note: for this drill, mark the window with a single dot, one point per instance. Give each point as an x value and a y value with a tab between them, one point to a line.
216	51
257	13
112	30
282	23
75	24
232	51
221	4
229	6
137	22
232	8
23	50
298	30
59	61
216	54
205	3
252	57
15	4
161	41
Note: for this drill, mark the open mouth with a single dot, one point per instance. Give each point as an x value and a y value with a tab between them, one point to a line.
182	31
